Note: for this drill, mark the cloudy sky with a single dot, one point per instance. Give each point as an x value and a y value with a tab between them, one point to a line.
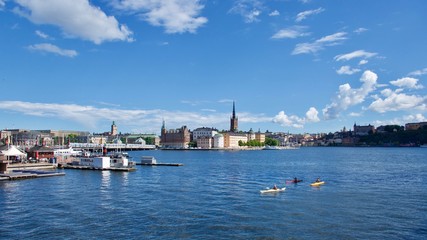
290	65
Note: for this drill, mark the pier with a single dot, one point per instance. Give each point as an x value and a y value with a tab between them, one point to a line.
111	147
151	161
161	164
25	174
79	167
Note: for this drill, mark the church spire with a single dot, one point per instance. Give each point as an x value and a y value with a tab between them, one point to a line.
234	110
233	121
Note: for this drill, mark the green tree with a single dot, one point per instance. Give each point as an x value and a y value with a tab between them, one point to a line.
149	140
271	142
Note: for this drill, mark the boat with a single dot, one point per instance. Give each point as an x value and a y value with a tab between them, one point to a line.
267	147
273	190
66	152
316	184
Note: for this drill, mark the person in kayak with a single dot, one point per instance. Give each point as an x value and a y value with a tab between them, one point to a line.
318	180
275	187
295	179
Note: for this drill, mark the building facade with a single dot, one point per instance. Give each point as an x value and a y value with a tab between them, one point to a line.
175	138
231	139
204	132
363	130
205	142
415	126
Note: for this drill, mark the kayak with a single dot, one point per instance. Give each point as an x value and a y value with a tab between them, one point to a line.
315	184
273	190
293	181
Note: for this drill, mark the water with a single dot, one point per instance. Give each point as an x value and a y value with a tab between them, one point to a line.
370	193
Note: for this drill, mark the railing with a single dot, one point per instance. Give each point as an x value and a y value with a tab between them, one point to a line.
111	146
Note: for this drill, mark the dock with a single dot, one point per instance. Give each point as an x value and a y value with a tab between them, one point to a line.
26	174
161	164
151	161
78	167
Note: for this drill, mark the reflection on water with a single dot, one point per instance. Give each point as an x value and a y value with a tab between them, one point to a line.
106	179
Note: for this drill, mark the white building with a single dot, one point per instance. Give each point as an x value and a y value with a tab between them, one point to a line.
218	141
204	132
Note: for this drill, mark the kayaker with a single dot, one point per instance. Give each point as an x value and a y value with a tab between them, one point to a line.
275	187
318	180
295	179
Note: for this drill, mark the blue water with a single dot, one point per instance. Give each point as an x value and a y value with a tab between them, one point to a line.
370	193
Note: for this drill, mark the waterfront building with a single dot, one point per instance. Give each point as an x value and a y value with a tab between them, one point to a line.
234	121
363	130
150	139
259	136
205	142
218	141
175	138
231	139
415	126
204	132
251	135
41	152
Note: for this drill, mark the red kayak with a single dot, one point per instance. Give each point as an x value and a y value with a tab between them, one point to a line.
293	181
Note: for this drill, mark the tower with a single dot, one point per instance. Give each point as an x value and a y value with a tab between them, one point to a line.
113	129
234	120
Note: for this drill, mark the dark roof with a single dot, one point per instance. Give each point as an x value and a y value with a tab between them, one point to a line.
41	149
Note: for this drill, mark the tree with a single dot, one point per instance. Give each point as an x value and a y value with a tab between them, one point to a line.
271	142
149	140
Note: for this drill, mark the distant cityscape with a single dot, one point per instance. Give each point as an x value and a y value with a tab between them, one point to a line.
412	134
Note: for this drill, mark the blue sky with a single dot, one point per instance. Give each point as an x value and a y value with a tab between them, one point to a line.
290	65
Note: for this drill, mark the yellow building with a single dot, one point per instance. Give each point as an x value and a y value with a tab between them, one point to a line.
231	139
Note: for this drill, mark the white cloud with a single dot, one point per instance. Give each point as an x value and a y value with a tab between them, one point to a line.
2	4
360	30
250	10
407	82
355	54
397	101
319	44
50	48
291	32
176	16
294	121
347	70
355	114
91	117
42	34
418	72
77	18
363	62
303	15
415	118
348	96
274	13
312	115
288	121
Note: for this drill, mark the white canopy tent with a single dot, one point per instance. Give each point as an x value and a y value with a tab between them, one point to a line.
12	152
